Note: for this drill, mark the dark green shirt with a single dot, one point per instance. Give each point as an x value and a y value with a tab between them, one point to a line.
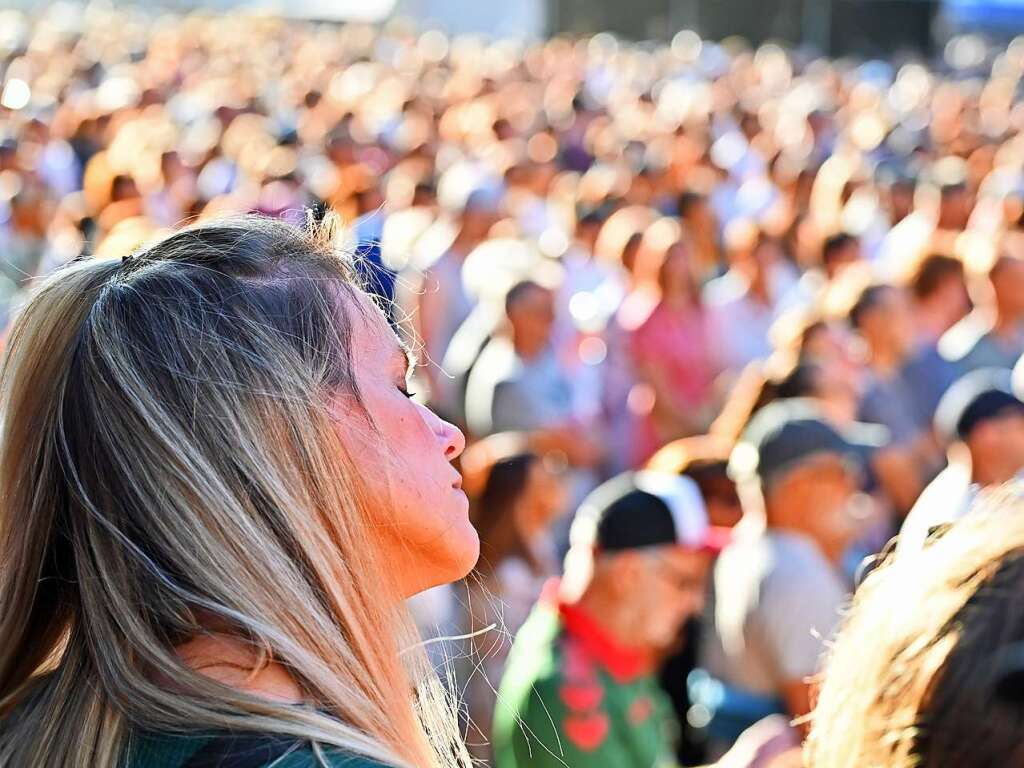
244	751
572	698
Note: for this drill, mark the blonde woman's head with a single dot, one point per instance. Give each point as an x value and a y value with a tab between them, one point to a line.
213	435
917	677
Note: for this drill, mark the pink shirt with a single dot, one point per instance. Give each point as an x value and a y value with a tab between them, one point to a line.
680	343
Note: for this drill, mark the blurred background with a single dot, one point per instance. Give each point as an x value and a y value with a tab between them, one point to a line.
834	27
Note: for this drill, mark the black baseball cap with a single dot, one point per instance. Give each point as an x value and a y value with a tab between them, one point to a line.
786	433
645	509
976	397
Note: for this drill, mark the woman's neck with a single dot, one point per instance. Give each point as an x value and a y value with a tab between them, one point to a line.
232	663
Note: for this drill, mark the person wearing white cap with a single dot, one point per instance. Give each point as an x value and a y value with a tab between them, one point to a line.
579	688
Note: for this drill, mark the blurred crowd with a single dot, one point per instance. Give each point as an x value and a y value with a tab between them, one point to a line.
799	282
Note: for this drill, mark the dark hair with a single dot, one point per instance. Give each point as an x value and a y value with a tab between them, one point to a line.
629	251
518	291
688	200
813	326
424	189
934	271
802	380
712	478
493	512
120	186
870	298
834	245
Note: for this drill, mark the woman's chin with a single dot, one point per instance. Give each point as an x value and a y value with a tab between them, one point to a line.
451	562
462	550
463	540
465	550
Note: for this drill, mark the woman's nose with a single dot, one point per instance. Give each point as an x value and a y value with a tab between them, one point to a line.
454	440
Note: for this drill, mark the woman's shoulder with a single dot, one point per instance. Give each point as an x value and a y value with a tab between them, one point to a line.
236	751
333	758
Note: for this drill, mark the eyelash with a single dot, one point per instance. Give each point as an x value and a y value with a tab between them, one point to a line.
406	392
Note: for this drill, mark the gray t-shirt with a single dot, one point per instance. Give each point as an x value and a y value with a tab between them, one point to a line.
776	602
890	402
506	393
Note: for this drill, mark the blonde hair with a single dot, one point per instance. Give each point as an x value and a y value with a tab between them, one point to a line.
168	461
913	678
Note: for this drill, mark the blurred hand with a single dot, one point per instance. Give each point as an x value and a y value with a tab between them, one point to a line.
770	743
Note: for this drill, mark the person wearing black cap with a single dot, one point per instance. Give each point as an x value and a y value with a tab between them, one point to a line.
779	584
982	420
579	688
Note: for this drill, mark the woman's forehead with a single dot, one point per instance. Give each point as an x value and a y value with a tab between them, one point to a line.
373	339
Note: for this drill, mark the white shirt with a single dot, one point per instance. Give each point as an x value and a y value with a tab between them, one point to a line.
946	499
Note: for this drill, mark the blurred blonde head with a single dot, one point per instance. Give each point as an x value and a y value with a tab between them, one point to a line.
913	680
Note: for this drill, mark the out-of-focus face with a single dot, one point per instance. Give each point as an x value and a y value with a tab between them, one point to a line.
956	208
849	254
901	201
765	258
1008	282
700	217
533	316
676	269
668	587
1011	433
406	453
997	447
816	497
545	498
954	299
897	318
833	347
723	502
477	224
